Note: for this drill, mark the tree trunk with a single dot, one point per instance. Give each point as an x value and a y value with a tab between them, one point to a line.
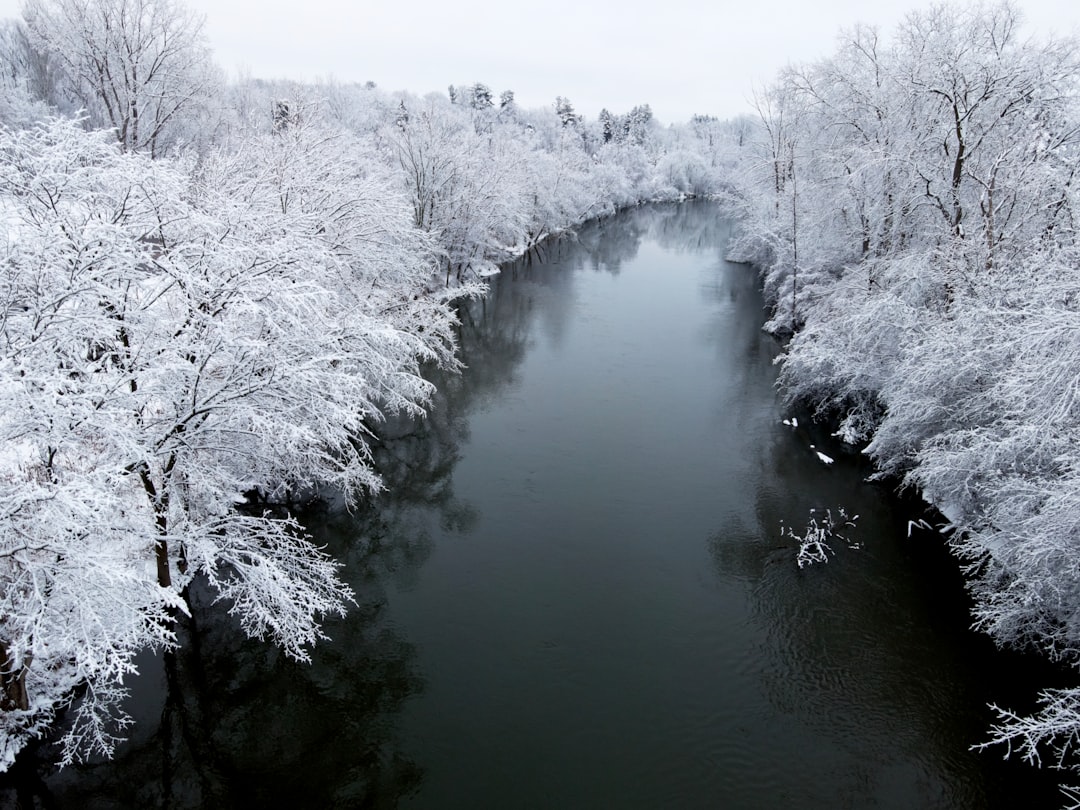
160	506
13	695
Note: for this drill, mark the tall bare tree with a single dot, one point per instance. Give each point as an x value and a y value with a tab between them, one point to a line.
134	65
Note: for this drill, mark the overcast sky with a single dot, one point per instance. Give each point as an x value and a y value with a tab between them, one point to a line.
680	56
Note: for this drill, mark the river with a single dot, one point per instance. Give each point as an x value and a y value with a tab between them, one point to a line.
575	592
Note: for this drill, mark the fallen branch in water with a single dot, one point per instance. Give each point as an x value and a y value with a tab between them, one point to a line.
820	529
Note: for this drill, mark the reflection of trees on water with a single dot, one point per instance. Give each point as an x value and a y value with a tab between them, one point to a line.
739	346
869	656
695	227
227	721
607	243
679	227
536	293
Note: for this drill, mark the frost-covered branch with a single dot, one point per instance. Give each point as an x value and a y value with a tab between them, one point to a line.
822	527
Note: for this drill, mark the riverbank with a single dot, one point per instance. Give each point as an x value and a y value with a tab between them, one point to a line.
925	275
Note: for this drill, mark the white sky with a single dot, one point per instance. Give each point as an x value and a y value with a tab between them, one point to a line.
679	56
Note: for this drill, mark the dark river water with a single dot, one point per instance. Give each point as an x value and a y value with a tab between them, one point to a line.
575	592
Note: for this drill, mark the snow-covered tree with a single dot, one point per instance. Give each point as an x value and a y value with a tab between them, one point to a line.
28	80
637	124
178	355
402	119
136	66
462	189
565	110
480	97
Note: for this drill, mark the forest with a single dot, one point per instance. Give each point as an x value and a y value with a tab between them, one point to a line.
214	292
216	289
